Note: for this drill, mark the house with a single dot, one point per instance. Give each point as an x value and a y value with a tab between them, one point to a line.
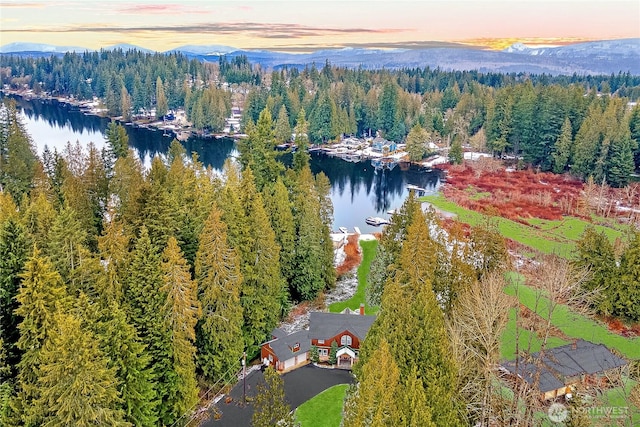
563	368
381	145
286	352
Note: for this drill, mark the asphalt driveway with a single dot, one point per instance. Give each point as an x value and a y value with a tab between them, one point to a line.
300	385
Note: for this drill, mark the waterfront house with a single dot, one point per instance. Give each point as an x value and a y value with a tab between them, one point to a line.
286	352
382	145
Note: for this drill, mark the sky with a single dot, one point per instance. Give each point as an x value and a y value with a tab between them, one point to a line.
310	25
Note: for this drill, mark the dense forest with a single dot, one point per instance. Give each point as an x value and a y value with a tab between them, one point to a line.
124	290
582	124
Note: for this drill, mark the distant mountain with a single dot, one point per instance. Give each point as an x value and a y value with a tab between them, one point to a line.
18	47
204	50
601	57
126	46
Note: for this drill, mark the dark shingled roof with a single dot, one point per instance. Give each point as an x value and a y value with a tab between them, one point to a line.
328	325
568	361
282	346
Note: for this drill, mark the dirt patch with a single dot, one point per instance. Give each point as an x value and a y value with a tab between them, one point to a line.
534	322
616	326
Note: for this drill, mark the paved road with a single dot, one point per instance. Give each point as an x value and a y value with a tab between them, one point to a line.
300	385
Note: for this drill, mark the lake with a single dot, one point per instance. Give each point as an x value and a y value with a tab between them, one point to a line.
358	189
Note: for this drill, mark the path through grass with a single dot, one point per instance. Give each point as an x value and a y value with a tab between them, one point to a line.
368	253
323	410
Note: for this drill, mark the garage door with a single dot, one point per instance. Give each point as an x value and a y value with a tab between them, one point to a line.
290	363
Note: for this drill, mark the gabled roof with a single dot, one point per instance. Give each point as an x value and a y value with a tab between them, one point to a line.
328	325
282	346
564	362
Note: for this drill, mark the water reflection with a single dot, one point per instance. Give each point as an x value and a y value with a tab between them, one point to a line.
358	189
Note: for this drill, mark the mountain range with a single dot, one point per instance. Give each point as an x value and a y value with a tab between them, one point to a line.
597	57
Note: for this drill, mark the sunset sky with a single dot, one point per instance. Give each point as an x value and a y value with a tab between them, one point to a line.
310	25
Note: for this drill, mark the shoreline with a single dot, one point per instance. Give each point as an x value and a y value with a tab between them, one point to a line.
91	108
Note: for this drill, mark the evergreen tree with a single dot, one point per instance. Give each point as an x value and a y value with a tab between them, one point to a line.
301	156
276	200
161	99
620	160
145	307
374	401
219	331
562	149
627	302
282	129
416	143
595	253
333	353
113	246
118	140
126	355
75	385
17	154
40	297
65	246
263	289
181	310
456	156
13	256
270	407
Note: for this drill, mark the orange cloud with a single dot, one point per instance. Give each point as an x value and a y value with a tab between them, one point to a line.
503	43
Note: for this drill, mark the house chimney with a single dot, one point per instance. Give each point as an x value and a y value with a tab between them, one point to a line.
361	309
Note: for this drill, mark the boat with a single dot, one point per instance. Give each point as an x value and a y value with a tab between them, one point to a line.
345	230
391	211
376	221
415	188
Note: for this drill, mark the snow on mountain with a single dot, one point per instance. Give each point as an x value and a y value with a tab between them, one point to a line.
126	46
38	47
204	50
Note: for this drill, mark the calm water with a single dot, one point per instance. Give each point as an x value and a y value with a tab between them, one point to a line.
358	190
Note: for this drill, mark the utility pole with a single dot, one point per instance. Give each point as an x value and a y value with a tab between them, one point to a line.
244	378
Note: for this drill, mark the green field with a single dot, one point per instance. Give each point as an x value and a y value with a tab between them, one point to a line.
368	253
557	237
571	324
323	410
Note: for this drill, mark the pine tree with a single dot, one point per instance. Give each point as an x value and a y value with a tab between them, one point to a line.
620	164
270	406
416	140
13	256
627	303
161	99
181	310
17	154
117	139
219	331
562	148
282	129
113	246
65	246
301	156
40	297
126	355
263	290
75	385
276	200
374	400
456	156
145	307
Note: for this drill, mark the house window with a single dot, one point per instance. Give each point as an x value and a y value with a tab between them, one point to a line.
323	352
270	358
296	347
345	340
320	341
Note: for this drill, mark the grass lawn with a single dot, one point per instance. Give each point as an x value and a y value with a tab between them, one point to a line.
323	410
527	340
368	253
557	237
572	324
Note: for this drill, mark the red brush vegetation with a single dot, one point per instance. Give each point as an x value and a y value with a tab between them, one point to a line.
616	326
353	258
515	195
